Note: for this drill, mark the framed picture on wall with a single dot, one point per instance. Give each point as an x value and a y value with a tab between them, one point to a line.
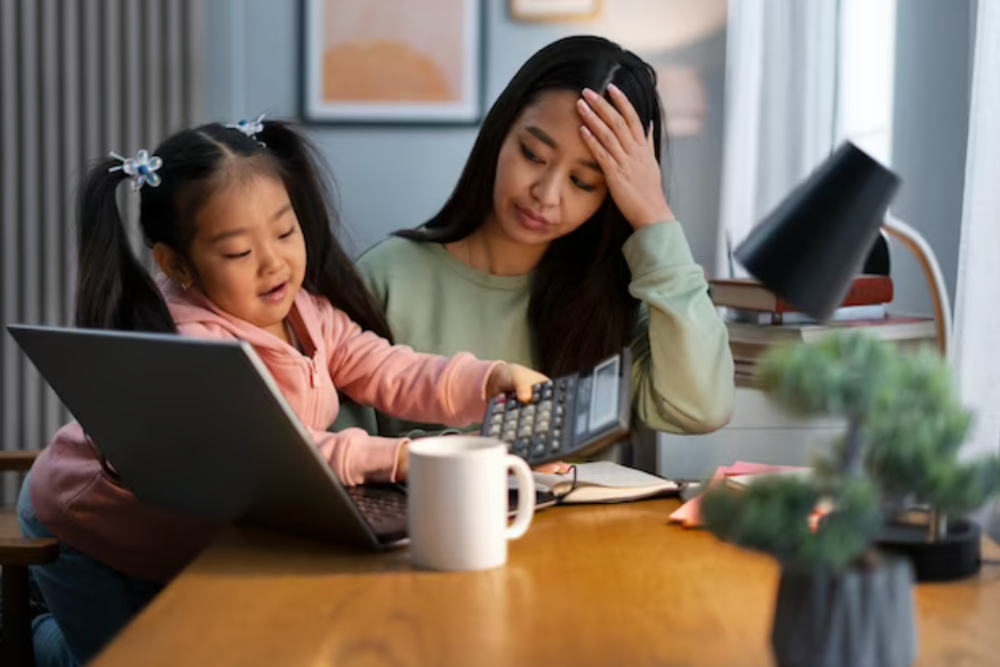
392	62
554	10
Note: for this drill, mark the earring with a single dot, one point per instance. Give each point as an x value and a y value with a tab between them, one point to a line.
185	285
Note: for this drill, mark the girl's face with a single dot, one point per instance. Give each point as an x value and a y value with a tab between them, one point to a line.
547	183
248	254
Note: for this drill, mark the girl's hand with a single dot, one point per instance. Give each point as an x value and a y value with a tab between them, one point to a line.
626	154
516	378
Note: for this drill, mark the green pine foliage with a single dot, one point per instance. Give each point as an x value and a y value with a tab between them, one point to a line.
774	516
905	429
838	375
914	435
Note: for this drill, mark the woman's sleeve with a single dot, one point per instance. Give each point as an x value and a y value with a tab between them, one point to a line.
682	375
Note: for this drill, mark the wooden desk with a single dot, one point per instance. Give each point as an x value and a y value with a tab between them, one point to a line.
600	585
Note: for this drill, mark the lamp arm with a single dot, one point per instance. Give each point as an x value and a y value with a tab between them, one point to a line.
916	243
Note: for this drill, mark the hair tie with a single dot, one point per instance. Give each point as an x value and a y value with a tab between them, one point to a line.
141	169
250	128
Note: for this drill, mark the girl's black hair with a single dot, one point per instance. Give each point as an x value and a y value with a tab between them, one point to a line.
580	310
115	291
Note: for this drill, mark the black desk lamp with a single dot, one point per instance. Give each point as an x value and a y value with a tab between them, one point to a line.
810	248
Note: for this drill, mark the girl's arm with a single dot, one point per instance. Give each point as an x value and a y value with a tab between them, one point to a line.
403	383
354	456
358	458
683	378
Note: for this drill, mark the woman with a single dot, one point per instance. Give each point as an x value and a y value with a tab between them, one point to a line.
558	248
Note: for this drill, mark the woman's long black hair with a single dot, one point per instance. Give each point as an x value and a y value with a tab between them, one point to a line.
115	291
580	310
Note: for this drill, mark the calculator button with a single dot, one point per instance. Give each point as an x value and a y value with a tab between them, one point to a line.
538	450
555	446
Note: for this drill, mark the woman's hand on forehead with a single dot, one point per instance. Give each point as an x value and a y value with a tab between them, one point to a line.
626	152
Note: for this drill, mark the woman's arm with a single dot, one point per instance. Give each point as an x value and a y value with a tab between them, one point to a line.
683	369
683	377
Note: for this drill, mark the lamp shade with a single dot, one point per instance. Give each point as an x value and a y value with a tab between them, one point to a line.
809	249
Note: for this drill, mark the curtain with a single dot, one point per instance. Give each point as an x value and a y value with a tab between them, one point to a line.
781	105
977	319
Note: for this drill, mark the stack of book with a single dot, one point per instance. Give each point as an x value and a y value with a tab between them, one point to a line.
758	320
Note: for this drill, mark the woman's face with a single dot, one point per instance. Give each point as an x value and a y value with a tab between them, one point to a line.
547	183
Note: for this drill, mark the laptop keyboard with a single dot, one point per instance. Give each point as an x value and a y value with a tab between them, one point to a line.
383	508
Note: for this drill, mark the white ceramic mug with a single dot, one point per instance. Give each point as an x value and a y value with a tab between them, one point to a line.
457	493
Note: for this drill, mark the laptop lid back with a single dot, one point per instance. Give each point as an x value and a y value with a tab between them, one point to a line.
197	426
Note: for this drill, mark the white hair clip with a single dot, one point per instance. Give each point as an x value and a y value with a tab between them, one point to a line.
141	169
251	128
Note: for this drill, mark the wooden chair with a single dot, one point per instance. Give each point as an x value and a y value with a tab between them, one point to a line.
16	554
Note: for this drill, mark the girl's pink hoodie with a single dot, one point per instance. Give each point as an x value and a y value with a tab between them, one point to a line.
85	508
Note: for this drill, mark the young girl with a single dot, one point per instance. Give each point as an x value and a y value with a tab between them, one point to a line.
239	224
558	248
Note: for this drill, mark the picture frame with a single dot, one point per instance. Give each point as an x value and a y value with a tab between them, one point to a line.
553	11
385	62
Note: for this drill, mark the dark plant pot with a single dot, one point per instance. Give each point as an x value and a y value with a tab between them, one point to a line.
956	555
862	617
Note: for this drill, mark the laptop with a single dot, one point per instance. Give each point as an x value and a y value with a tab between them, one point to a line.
200	426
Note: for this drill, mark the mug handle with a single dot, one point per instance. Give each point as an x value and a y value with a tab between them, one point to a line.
525	497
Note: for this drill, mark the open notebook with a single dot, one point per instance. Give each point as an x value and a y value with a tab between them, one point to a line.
604	482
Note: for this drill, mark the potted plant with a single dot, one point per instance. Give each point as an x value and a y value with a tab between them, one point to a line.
844	601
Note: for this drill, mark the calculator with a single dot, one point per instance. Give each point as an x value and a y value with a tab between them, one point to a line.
571	417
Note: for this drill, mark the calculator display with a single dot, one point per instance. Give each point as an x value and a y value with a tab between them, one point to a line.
604	394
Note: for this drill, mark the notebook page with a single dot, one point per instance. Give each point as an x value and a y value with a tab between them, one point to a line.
604	473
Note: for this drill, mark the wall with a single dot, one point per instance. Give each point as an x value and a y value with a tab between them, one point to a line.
930	129
389	178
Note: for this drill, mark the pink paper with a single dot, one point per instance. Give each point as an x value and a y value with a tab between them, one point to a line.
689	514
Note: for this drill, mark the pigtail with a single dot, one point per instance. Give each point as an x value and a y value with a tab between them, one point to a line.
330	272
113	290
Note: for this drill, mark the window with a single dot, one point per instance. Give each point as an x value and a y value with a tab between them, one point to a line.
866	64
